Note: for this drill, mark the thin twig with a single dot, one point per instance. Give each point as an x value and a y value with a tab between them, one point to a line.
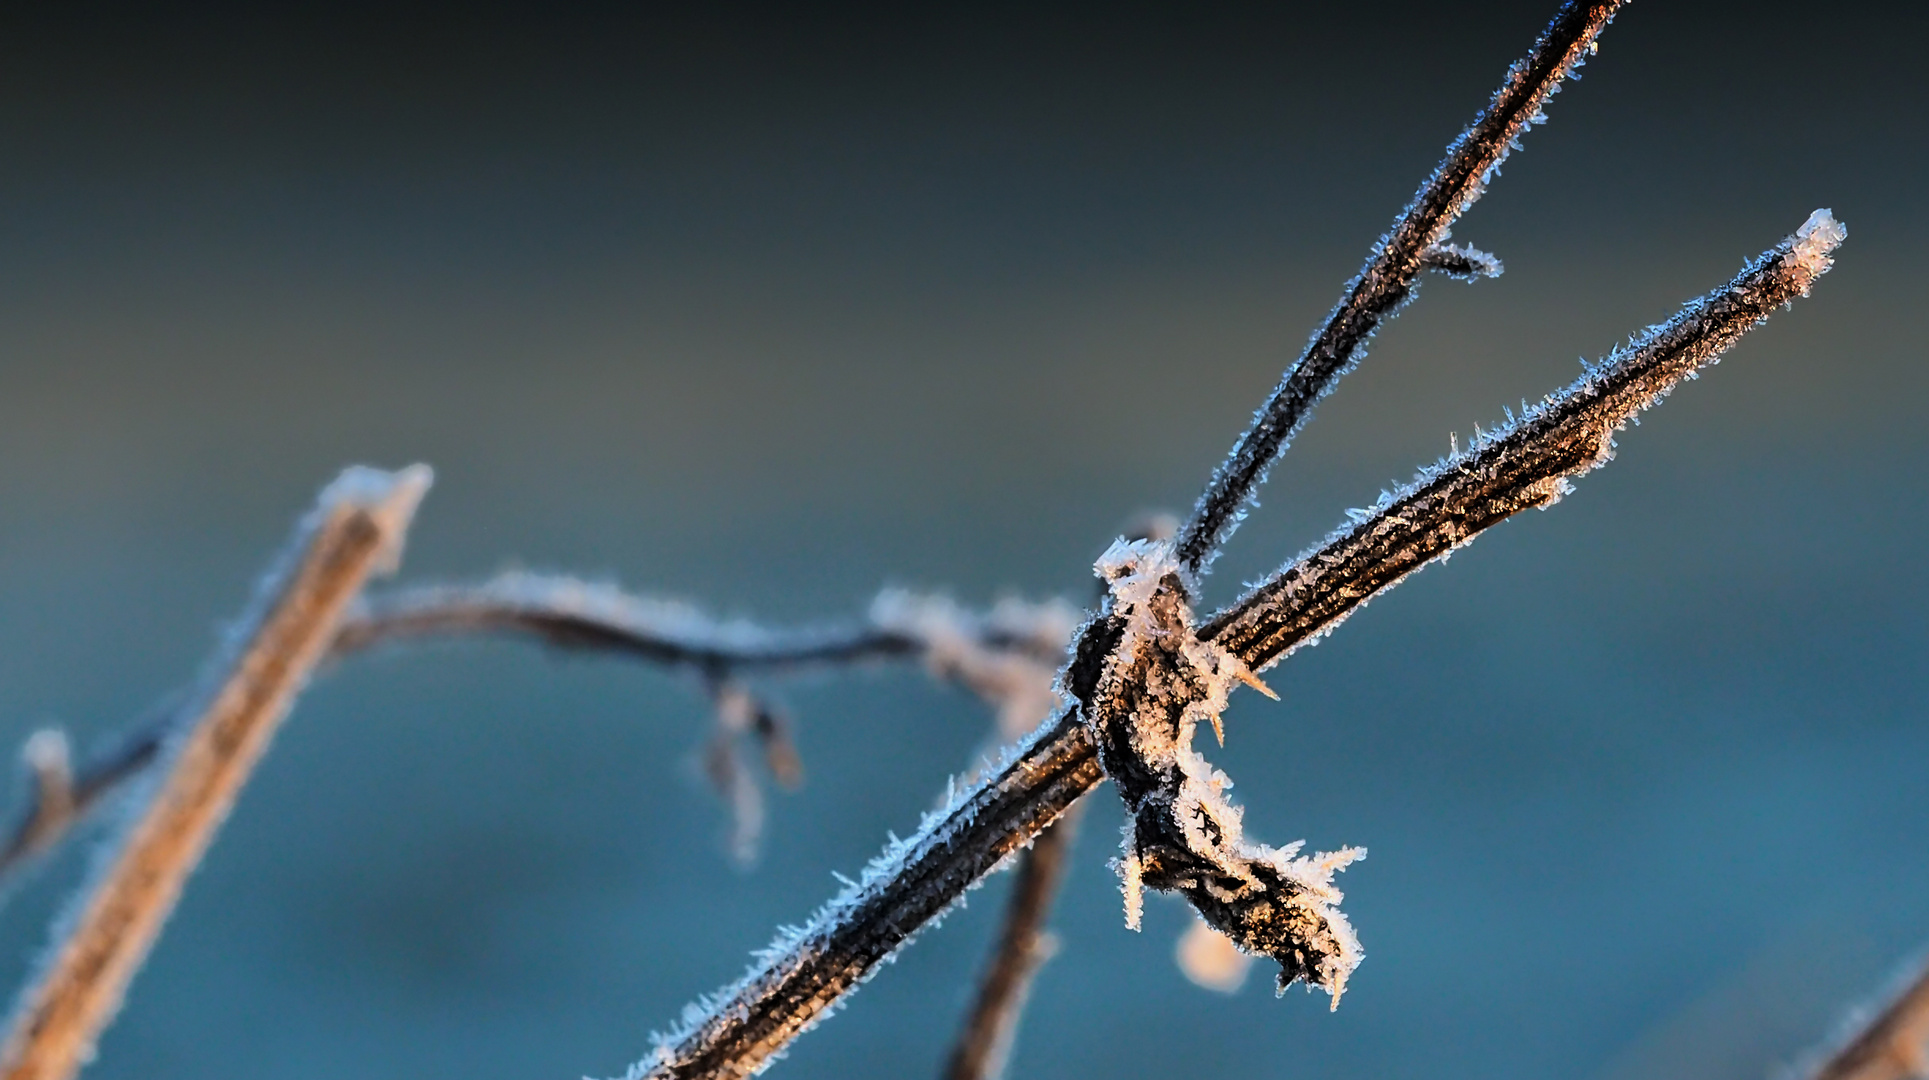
574	614
1007	656
356	529
807	970
1391	272
1892	1045
1023	946
1525	463
984	1042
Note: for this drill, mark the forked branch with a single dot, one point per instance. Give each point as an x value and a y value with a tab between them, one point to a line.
1392	270
1525	463
356	529
1006	656
804	972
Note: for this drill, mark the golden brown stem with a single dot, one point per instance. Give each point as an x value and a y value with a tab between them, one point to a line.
356	529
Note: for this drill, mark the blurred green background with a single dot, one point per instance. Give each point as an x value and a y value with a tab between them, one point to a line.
767	308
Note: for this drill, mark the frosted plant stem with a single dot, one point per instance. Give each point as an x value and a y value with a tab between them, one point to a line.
573	614
1892	1045
984	1043
1525	463
356	529
806	971
1015	641
1391	272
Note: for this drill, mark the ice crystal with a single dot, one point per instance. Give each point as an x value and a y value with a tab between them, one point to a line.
1161	680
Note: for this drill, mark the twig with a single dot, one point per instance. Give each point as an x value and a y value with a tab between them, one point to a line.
1023	946
571	613
46	820
1892	1045
807	970
1391	272
356	529
742	715
984	1042
1007	656
1525	463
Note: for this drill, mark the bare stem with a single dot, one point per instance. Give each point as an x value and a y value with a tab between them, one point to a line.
1892	1045
1006	656
1023	946
574	614
1391	272
796	980
356	529
1525	463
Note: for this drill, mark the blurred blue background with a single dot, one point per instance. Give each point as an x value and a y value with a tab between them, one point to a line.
767	308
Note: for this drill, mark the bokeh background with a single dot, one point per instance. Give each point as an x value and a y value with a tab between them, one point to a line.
767	308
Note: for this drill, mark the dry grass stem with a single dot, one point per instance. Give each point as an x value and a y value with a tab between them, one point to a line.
356	529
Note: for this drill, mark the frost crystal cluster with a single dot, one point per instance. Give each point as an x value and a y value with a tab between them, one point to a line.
1157	682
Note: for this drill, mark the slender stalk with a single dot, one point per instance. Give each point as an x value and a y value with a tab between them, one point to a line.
1006	656
984	1044
806	971
800	976
574	614
1526	463
356	529
1892	1045
1391	272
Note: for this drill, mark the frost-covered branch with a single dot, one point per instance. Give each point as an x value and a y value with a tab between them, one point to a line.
356	529
60	795
1023	945
1157	682
983	1044
807	970
1007	656
1392	271
1524	463
575	614
1892	1043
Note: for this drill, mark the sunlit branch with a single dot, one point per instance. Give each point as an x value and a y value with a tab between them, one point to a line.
355	530
800	976
1524	463
1391	272
1006	656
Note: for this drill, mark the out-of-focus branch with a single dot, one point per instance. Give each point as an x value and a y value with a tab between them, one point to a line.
1524	463
1892	1045
1023	945
1391	272
796	980
574	614
355	530
1007	656
984	1042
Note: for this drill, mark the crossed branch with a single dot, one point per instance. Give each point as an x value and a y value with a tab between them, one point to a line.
1144	672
